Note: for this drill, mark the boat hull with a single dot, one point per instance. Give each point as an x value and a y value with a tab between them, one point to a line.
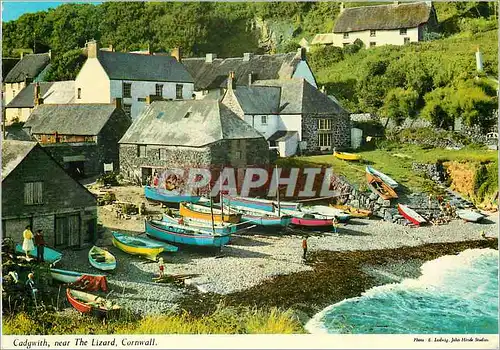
310	222
379	187
469	216
411	215
258	204
79	279
329	212
159	195
388	180
176	235
107	265
49	255
129	245
354	212
86	302
273	221
347	156
203	225
203	213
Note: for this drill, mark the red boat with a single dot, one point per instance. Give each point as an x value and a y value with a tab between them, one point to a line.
411	215
86	302
311	222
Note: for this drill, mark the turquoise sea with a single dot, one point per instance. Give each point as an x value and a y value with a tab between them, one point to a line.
456	294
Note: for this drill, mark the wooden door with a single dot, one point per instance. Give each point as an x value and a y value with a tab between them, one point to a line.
68	230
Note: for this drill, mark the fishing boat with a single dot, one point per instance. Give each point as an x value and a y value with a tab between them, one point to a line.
259	203
101	259
140	245
219	227
469	215
49	255
411	215
261	217
331	212
347	156
207	213
181	234
300	218
86	302
380	188
354	212
166	196
388	180
82	280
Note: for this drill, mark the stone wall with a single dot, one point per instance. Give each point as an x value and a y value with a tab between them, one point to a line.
93	164
109	137
341	131
435	172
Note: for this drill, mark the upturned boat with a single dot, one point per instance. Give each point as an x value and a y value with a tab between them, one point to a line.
469	215
330	212
379	187
86	302
219	227
101	259
181	234
261	217
203	212
259	203
166	196
50	255
388	180
411	215
81	280
143	246
354	212
347	156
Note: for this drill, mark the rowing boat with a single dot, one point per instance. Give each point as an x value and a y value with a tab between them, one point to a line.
261	217
86	302
388	180
218	227
347	156
331	212
411	215
165	196
354	212
140	245
379	187
259	203
101	259
203	212
81	280
469	215
49	255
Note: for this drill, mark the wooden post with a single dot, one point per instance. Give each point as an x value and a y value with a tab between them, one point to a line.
278	190
212	209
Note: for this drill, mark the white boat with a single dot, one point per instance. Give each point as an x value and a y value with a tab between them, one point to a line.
469	215
411	215
388	180
327	211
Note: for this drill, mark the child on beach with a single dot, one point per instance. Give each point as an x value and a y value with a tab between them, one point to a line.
304	247
162	267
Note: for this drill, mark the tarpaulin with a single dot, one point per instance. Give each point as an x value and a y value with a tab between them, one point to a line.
92	283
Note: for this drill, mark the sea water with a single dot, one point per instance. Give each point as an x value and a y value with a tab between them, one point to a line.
456	294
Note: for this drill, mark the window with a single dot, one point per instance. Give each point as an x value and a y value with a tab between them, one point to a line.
141	99
402	31
33	193
162	154
324	124
325	140
407	41
238	154
127	90
263	119
372	32
141	151
19	86
159	90
79	93
346	35
373	44
178	91
128	110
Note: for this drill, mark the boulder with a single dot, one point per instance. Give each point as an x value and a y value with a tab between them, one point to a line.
373	196
388	216
386	203
355	203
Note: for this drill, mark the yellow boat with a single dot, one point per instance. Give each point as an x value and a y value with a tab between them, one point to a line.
346	156
202	212
354	212
140	245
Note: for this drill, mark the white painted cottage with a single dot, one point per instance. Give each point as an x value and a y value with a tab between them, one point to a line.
107	75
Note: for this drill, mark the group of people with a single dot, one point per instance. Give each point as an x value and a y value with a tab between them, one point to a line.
29	245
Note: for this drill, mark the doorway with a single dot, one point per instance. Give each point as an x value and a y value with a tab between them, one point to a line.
76	169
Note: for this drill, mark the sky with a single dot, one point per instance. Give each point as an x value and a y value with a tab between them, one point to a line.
14	9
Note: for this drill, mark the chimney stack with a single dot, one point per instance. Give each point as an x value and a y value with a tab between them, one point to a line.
230	79
151	98
92	49
303	53
247	56
38	99
250	79
209	57
118	102
177	53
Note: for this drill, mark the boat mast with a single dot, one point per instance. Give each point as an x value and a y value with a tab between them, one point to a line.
221	201
212	208
277	188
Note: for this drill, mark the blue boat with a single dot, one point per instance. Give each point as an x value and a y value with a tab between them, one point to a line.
259	203
184	235
261	217
221	228
49	255
165	196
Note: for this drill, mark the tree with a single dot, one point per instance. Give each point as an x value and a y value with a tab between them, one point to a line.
66	66
400	104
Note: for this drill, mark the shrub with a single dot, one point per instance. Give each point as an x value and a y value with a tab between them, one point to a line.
109	179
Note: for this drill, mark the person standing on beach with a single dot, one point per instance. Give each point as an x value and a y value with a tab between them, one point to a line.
40	245
304	247
162	267
28	241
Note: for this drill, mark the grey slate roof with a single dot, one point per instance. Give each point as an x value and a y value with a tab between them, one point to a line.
189	123
16	132
300	97
258	99
13	153
382	17
129	66
28	67
26	97
282	135
213	75
52	93
69	119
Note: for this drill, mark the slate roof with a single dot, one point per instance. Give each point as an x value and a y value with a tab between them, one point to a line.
213	75
282	135
258	99
13	153
130	66
69	119
189	123
16	132
28	67
383	17
51	92
300	97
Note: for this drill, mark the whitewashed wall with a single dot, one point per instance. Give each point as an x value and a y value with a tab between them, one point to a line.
289	147
291	122
267	129
382	37
94	82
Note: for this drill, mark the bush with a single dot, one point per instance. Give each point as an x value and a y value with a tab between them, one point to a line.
477	25
110	179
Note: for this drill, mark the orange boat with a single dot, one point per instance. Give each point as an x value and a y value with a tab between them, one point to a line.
202	212
379	187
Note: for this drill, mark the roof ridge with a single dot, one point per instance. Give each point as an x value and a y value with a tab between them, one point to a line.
387	5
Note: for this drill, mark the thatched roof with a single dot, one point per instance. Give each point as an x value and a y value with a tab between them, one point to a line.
323	39
383	17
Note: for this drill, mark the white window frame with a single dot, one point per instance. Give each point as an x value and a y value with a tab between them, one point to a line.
159	90
324	124
403	31
325	140
143	153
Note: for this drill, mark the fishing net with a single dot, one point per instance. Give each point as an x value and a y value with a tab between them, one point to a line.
91	283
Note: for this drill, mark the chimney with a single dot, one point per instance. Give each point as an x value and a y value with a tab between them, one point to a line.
303	52
38	100
209	57
92	48
151	98
118	102
177	53
250	80
230	79
247	56
479	60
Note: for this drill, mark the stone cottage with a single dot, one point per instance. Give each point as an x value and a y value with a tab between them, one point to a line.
194	133
36	191
80	137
